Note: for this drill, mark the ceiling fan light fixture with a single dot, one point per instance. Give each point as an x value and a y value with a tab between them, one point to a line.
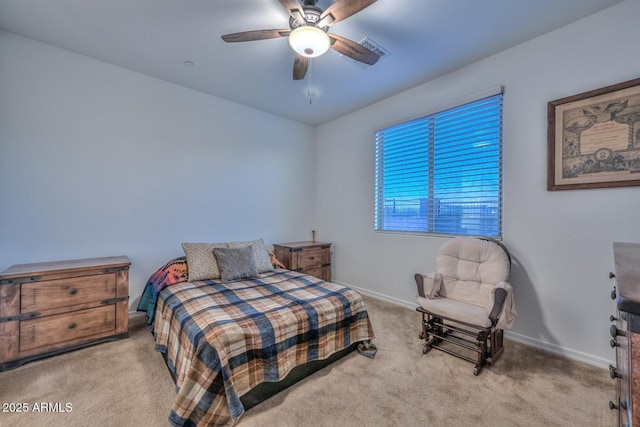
309	41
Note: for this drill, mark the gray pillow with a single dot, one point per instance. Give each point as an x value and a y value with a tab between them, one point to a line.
260	254
236	263
201	262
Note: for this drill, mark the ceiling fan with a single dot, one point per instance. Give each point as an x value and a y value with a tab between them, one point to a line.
308	32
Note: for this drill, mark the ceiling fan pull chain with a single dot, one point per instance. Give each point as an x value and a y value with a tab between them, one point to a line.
309	81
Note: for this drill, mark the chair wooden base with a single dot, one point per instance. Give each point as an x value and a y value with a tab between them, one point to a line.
438	330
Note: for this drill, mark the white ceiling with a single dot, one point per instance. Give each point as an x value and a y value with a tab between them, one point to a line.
425	39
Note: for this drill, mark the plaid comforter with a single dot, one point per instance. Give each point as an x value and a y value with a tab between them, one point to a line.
223	339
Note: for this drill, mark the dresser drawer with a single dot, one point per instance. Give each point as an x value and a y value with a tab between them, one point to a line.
50	294
46	331
312	259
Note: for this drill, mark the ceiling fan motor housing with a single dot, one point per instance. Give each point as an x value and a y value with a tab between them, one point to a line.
311	15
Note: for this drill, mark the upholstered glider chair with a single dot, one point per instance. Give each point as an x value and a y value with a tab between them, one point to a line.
468	302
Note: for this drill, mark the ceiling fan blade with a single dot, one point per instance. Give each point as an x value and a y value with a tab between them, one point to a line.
352	49
300	66
342	9
247	36
295	9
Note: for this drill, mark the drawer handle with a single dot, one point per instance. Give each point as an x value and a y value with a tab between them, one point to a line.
613	372
612	405
73	291
614	332
72	325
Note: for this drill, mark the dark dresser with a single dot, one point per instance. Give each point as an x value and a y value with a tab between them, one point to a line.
625	333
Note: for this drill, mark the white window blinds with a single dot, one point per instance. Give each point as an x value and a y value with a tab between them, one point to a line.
442	173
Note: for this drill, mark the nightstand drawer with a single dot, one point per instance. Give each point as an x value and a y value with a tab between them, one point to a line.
46	331
320	272
50	294
308	260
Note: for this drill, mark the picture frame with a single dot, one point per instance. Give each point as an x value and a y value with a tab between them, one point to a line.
593	138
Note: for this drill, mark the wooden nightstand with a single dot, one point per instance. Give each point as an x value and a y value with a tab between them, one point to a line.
51	307
312	258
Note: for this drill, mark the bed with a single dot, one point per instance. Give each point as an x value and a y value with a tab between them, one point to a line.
223	339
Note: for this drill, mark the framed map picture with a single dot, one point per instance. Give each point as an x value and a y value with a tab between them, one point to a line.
593	138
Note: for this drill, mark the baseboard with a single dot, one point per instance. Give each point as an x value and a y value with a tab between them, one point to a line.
559	350
522	339
136	314
377	295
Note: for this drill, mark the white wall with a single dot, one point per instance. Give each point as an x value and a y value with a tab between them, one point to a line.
97	160
561	241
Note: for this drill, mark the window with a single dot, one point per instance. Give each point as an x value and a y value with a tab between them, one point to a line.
442	173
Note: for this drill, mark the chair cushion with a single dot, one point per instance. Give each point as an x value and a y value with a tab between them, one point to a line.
460	311
471	268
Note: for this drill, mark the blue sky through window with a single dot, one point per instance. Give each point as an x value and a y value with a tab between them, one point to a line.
442	173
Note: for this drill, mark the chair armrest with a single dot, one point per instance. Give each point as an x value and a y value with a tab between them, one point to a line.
428	284
420	284
503	312
499	295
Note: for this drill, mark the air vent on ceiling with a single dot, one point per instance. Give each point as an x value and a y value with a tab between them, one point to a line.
373	47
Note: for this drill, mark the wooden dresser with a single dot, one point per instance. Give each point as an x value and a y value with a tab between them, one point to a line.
51	307
625	333
312	258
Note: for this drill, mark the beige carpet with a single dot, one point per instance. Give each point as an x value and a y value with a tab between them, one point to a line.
125	383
